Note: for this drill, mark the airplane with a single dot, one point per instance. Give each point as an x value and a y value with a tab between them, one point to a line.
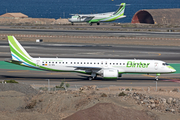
101	17
106	68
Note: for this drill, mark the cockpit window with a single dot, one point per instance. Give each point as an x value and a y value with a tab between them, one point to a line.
165	64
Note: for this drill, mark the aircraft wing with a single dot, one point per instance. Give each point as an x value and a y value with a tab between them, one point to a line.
87	68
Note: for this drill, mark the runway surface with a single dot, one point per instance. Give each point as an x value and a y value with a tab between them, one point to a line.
91	32
168	54
40	77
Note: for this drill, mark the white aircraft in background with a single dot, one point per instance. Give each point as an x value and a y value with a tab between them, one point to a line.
107	68
101	17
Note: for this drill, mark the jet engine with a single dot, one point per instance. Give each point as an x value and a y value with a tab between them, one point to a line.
110	74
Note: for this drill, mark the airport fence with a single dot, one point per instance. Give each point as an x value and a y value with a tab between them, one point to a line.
45	87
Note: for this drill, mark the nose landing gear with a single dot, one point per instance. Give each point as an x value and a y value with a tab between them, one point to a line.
156	78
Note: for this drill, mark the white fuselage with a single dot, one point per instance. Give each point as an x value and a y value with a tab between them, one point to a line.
121	65
81	18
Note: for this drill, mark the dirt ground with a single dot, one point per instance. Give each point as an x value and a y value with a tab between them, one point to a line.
87	103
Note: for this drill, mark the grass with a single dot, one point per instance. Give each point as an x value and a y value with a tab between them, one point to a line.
9	81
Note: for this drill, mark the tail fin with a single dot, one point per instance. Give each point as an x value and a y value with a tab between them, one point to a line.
18	53
120	10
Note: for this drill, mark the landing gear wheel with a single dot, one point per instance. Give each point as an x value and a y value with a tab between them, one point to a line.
72	23
156	78
90	78
90	24
98	23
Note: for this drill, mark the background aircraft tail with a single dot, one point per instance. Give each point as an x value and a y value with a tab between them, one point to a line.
121	9
18	53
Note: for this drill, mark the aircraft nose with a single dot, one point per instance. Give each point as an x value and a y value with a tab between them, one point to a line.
173	70
69	20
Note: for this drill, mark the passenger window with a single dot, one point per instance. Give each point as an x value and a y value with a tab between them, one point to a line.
66	62
116	63
119	63
74	62
123	63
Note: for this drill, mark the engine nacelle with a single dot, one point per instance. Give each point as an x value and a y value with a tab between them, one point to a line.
110	74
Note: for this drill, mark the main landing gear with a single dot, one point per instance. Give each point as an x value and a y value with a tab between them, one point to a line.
92	77
90	24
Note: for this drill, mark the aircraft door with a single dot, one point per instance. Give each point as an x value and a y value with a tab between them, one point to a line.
79	18
38	62
156	65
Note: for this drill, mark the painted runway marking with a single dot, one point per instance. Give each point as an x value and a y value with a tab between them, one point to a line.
172	79
18	71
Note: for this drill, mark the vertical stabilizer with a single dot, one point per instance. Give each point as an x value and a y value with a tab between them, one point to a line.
18	53
121	9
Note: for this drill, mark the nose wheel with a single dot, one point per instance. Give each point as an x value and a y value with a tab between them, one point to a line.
156	78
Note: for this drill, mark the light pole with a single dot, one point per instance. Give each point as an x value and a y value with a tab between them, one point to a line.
48	84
